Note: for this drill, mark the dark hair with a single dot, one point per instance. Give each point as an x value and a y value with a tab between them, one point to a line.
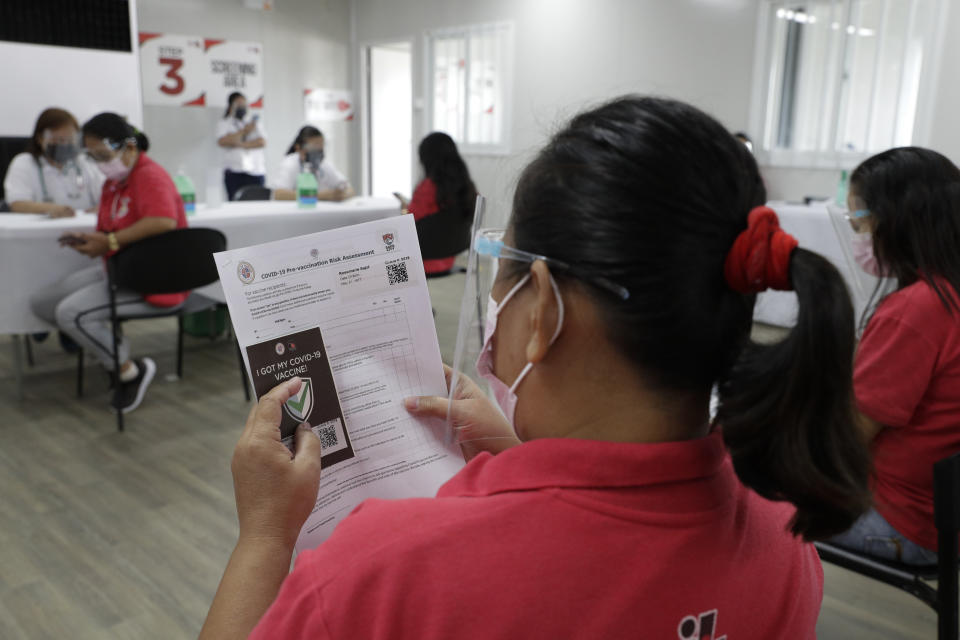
233	96
52	118
913	195
651	194
743	136
302	135
116	129
443	165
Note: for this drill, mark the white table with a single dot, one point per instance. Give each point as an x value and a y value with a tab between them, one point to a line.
811	226
31	259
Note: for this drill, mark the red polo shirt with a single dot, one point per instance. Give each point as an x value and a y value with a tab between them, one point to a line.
562	538
907	377
148	191
423	204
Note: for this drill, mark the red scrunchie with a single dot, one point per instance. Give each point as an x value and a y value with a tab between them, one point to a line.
760	256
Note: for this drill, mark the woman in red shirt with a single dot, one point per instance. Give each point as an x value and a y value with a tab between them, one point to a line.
906	204
446	189
606	504
139	200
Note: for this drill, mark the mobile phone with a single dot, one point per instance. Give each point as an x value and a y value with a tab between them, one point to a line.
67	240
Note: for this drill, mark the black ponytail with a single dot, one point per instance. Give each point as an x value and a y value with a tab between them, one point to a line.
787	409
650	194
115	128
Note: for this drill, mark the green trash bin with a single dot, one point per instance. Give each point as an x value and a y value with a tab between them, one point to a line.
206	324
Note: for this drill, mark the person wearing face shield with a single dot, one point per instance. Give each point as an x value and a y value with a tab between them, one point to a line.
307	152
601	498
138	200
52	177
905	206
240	136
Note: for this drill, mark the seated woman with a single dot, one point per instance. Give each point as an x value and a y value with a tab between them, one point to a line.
51	177
307	152
906	205
139	200
446	189
609	505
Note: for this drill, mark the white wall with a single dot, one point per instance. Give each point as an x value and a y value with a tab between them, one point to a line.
571	54
305	44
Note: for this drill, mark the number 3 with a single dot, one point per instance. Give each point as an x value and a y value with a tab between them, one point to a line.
174	64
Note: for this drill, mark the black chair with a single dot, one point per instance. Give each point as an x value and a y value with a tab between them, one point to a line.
442	235
914	579
171	262
9	147
253	192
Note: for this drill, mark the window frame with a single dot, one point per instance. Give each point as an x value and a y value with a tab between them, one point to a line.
762	122
504	147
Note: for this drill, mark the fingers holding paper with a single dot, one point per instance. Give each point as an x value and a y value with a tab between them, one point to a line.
477	423
275	491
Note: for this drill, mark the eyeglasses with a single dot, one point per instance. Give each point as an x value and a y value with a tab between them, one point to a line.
112	149
490	243
858	220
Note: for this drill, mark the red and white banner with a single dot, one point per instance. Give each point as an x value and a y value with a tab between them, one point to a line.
191	71
327	105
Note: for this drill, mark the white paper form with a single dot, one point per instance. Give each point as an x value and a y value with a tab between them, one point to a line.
364	288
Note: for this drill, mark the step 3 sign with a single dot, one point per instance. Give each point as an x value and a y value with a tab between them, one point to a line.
181	70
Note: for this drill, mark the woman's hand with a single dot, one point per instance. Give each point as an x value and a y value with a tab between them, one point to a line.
275	490
60	211
477	423
93	244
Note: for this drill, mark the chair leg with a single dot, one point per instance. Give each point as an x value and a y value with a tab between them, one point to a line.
28	343
947	591
243	373
180	346
80	373
115	325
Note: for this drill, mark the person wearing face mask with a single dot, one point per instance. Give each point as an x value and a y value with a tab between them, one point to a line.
242	140
906	212
139	200
307	151
607	503
52	177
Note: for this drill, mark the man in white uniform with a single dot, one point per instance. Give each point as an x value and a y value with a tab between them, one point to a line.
307	153
52	177
242	140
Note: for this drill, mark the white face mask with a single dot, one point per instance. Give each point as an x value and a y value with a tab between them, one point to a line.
506	394
863	254
114	169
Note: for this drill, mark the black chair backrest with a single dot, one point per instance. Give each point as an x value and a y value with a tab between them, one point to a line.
253	192
170	262
946	514
9	147
444	234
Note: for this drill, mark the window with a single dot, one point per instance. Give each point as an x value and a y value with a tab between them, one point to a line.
842	77
469	84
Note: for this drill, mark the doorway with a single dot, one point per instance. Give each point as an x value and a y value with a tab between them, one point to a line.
389	139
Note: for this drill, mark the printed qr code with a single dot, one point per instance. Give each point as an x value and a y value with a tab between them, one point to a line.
397	273
328	436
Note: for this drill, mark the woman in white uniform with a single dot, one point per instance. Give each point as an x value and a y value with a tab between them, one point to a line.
307	150
242	140
52	177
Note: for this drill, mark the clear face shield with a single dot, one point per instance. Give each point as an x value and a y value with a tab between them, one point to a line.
853	233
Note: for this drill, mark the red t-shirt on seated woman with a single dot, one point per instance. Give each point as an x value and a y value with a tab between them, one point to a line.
147	192
423	204
907	377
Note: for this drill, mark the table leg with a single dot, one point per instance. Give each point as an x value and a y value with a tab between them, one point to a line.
18	366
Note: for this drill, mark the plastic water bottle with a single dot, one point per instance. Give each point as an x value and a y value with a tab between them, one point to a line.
187	192
307	188
842	187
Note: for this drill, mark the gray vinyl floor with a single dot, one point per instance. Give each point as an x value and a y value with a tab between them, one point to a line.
107	535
